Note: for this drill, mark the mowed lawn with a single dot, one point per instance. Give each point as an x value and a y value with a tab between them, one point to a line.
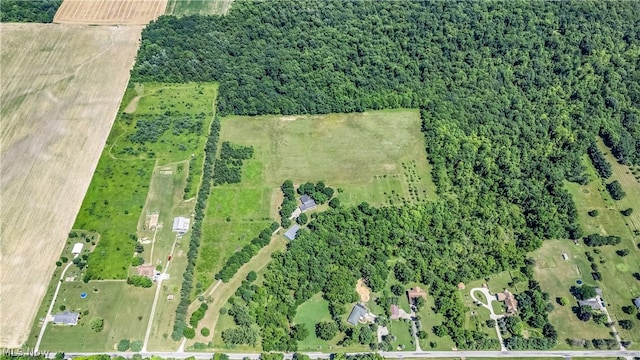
619	287
125	310
310	313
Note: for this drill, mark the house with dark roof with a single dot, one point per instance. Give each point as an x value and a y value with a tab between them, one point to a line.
358	312
66	318
307	203
292	232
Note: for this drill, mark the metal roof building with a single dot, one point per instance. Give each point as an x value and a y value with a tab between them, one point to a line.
357	313
181	225
307	203
292	232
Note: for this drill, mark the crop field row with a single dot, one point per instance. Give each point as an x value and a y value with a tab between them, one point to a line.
109	12
61	87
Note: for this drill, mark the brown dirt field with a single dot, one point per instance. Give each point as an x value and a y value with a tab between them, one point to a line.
109	12
363	291
61	88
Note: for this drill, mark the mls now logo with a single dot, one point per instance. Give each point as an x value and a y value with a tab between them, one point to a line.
28	352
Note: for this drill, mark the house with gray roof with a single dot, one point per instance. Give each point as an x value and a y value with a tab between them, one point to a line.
307	203
292	232
66	318
595	303
636	302
357	313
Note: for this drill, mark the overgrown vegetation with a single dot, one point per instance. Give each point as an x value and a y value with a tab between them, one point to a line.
38	11
600	240
599	162
229	165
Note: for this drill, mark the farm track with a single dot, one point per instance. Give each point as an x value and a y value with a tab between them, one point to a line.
61	89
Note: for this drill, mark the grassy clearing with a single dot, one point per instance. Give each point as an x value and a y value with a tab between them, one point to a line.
344	150
118	190
556	275
125	311
310	313
198	7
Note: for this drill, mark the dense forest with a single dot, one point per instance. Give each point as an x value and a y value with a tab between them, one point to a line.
511	96
561	71
40	11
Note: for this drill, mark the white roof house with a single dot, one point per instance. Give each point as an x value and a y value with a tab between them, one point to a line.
77	248
181	225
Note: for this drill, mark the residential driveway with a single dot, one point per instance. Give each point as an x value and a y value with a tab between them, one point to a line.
487	294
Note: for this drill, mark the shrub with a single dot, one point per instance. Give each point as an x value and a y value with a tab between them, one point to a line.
593	213
124	345
189	333
205	331
627	212
615	189
136	346
97	324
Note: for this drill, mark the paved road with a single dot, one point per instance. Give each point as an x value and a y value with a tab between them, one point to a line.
492	315
401	354
53	302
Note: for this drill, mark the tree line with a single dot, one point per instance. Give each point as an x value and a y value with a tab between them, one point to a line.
38	11
196	231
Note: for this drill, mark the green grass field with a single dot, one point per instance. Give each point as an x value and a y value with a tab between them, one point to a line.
197	7
125	311
619	287
118	191
310	313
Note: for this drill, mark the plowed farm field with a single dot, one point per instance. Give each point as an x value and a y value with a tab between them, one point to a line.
61	88
109	12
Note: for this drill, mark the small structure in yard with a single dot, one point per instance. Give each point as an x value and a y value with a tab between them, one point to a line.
77	249
181	225
146	270
66	318
461	286
565	256
292	232
395	312
170	297
307	203
153	220
636	302
415	293
357	313
509	301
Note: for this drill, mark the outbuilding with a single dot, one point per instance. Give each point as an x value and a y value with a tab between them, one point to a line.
77	248
292	232
307	203
181	225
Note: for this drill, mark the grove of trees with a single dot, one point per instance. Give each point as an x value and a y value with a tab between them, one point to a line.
39	11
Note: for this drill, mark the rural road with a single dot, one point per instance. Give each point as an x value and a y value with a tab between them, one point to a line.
396	354
493	316
53	302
